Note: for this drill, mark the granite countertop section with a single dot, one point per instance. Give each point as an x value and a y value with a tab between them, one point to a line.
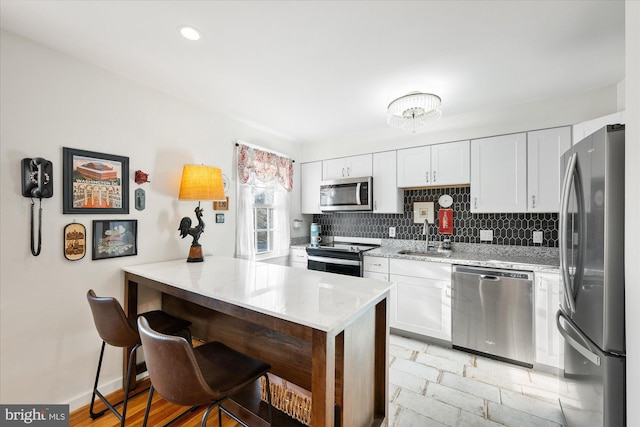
300	245
481	255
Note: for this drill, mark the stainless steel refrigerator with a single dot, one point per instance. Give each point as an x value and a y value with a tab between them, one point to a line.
591	315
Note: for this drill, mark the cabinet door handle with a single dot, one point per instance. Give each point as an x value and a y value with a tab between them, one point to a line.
426	176
348	171
475	203
533	201
343	172
434	176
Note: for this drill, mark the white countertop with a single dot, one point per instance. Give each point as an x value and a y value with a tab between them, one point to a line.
324	301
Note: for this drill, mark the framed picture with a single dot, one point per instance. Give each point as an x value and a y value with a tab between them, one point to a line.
94	183
221	205
115	238
75	241
422	211
219	218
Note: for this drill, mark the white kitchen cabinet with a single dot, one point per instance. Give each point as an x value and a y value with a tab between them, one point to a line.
434	165
298	257
544	148
387	197
548	340
347	167
376	268
414	167
310	178
499	174
421	297
450	163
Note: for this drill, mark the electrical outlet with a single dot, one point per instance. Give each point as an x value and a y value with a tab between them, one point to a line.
392	232
537	237
486	235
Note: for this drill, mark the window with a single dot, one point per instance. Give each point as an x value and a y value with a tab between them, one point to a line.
264	183
263	219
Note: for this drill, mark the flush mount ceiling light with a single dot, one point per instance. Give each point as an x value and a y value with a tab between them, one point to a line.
413	110
189	33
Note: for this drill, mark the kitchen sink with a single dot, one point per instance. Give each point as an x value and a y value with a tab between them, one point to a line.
430	254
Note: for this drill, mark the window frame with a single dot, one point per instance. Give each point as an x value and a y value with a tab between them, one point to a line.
270	230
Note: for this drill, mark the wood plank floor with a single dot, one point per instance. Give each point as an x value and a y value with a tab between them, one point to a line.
161	413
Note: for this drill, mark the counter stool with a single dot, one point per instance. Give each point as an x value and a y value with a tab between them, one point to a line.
205	375
119	331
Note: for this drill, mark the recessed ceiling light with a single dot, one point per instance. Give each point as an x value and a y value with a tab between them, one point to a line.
189	33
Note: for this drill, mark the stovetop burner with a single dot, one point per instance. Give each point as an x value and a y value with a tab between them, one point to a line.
347	247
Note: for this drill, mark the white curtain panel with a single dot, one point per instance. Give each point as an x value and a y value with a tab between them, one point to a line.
245	238
281	216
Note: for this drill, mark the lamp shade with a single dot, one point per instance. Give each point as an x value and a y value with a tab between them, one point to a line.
200	182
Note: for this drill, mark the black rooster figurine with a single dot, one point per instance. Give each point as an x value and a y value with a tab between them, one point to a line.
195	252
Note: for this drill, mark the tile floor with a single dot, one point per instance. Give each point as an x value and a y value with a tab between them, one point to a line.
435	386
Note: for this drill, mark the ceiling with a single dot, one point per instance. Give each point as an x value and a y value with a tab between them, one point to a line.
311	71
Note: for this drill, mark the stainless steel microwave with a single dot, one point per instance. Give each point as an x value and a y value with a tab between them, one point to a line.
349	194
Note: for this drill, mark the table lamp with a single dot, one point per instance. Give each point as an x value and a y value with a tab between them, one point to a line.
199	182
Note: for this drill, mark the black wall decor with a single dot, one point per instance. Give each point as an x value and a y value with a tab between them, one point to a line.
508	228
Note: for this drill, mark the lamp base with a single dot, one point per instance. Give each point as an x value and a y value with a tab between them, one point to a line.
195	254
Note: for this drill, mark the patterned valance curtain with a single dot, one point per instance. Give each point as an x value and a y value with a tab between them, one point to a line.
265	165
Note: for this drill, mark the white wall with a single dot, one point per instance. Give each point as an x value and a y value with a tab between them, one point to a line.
632	208
49	346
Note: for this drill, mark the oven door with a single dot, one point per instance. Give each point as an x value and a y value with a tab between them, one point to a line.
349	267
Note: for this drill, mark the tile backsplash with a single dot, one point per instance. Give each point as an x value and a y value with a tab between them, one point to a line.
508	228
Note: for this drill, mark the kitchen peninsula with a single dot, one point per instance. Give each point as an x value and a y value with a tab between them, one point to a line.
326	333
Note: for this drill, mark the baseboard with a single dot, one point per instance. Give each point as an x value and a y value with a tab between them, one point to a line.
85	398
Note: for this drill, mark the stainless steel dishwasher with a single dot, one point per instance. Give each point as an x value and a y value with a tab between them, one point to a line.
492	313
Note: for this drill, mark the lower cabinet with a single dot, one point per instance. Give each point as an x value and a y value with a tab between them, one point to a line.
421	297
548	341
298	257
376	268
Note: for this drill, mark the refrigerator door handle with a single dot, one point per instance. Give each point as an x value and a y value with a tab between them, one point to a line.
564	214
586	348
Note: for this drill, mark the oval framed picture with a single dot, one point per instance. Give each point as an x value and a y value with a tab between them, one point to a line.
75	241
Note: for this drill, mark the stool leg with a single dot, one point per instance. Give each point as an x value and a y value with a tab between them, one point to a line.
95	387
146	411
132	362
266	377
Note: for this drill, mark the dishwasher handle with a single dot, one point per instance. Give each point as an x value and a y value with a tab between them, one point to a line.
492	274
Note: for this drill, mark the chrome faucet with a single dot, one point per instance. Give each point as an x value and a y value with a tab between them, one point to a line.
425	232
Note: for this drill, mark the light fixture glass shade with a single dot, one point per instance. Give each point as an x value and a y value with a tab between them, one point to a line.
200	182
413	110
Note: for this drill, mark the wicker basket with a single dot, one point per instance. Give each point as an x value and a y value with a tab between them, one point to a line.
288	398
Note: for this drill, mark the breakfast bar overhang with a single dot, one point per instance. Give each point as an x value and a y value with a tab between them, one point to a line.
324	332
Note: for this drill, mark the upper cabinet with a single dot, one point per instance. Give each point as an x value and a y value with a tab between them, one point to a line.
414	167
499	174
387	197
434	165
518	172
544	148
310	178
347	167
